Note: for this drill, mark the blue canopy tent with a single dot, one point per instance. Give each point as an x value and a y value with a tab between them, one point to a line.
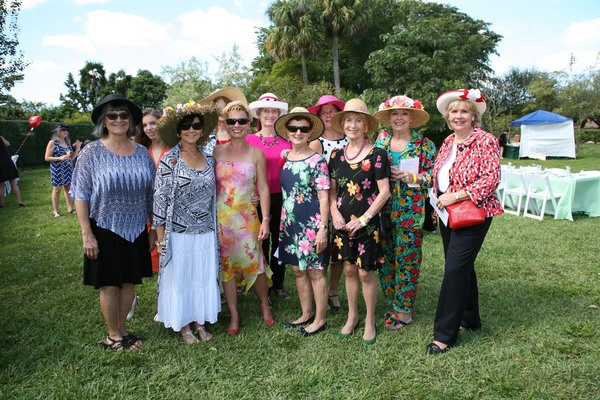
546	133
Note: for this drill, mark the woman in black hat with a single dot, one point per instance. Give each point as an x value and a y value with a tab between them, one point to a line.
60	154
112	187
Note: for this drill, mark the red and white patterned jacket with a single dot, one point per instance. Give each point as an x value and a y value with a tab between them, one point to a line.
476	169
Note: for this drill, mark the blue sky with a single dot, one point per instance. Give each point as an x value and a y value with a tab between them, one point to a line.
59	36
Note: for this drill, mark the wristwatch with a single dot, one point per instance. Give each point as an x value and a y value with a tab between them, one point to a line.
456	196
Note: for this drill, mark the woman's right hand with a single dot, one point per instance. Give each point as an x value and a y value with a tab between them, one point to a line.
90	246
339	223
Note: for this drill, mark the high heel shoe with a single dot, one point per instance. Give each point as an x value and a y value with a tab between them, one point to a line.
234	331
269	322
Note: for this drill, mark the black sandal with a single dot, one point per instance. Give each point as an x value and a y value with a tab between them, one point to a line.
131	341
333	308
115	345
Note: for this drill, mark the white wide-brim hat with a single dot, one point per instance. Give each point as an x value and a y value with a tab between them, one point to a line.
268	100
473	95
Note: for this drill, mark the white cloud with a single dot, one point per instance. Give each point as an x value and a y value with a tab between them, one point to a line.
75	42
30	4
582	33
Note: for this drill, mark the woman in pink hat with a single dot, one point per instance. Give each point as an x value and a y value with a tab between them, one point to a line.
267	109
330	139
467	168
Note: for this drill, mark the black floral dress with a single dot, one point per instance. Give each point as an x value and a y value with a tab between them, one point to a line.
356	191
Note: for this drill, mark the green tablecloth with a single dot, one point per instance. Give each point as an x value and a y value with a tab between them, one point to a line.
580	193
511	152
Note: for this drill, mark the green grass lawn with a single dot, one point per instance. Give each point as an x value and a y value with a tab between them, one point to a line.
537	281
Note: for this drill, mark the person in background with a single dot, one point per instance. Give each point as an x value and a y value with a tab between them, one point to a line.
467	168
267	109
112	187
8	173
240	170
327	106
359	189
221	98
399	274
503	142
60	154
185	218
305	217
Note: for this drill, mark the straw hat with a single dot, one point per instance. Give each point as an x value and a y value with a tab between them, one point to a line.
418	113
268	100
317	125
357	106
463	94
136	112
230	93
326	99
167	124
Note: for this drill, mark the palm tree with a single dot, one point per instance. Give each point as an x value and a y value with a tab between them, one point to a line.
342	19
296	31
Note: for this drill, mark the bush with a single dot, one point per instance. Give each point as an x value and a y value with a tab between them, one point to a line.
587	135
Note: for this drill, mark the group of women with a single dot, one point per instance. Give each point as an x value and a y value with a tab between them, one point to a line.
308	190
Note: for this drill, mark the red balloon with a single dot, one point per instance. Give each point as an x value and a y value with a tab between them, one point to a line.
35	121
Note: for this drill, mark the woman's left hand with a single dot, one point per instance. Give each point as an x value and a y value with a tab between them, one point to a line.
263	233
354	226
445	200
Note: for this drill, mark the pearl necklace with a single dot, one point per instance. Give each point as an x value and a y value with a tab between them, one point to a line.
364	143
268	145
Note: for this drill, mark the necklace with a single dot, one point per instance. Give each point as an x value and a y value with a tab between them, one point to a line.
364	143
268	145
195	152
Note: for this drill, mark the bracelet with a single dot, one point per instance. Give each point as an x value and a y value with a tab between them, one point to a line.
362	221
266	218
158	243
152	227
414	177
369	215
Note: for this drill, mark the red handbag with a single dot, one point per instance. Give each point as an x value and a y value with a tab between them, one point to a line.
464	214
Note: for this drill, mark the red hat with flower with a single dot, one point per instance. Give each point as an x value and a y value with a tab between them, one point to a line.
419	116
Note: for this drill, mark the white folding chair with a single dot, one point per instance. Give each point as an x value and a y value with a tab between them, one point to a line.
539	192
514	189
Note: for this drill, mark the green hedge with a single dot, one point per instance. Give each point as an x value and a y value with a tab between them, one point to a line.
32	152
587	135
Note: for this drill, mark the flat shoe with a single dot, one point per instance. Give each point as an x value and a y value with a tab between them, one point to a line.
304	332
289	325
56	215
433	348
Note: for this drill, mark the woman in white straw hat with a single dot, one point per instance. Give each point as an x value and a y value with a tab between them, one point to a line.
267	109
400	273
359	189
467	168
305	216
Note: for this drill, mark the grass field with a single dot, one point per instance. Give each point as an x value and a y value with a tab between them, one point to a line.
538	281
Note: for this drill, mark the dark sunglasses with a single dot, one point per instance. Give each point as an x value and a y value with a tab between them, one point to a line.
114	116
195	126
232	121
293	128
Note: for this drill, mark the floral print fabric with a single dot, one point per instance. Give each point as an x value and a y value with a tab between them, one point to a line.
356	191
301	214
241	254
400	273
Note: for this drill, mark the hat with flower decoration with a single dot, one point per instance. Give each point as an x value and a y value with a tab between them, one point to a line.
419	116
473	95
167	124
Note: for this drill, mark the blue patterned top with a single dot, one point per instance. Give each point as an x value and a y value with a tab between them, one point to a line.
118	188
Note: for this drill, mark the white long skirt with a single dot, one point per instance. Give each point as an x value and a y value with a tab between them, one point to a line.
188	289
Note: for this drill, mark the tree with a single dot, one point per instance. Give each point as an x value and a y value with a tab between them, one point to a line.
342	19
232	73
11	59
74	100
118	82
92	83
188	81
296	32
147	89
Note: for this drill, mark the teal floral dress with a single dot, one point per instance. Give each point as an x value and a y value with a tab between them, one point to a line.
356	191
301	213
400	273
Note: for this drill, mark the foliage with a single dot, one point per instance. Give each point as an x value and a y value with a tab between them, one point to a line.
231	72
12	63
83	95
539	336
188	80
147	89
118	82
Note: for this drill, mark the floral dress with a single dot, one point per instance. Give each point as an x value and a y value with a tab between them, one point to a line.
400	273
356	191
241	254
301	214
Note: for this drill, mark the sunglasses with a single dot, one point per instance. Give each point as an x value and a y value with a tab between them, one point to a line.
293	128
114	116
232	121
195	126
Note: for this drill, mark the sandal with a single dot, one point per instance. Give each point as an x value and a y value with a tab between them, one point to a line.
332	307
203	333
132	342
115	345
189	337
56	214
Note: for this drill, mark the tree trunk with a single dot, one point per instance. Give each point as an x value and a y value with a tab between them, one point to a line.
336	64
304	71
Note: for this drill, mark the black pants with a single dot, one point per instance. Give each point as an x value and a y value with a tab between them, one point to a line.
458	303
271	244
